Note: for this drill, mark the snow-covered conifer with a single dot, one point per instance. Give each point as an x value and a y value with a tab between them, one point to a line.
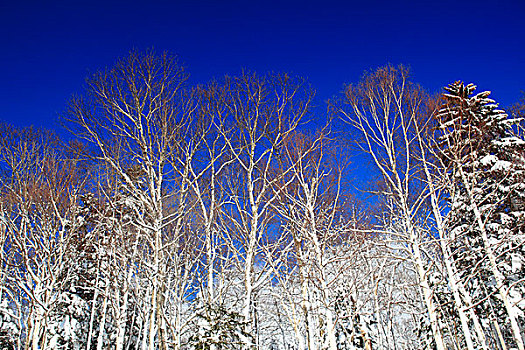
486	162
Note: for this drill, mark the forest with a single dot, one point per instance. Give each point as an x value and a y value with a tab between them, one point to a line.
223	216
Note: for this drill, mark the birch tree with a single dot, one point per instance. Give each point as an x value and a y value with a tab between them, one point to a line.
310	204
139	121
40	192
383	108
263	112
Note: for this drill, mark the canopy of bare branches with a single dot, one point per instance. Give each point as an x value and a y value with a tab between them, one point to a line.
216	217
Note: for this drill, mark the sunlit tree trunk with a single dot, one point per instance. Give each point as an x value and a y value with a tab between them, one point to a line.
384	108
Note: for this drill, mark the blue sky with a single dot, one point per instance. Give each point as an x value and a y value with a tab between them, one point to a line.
48	48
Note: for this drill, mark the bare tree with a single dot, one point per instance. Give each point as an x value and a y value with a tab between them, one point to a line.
310	205
383	108
263	112
40	193
140	124
208	172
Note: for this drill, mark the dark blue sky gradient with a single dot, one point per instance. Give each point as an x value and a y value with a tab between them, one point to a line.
47	50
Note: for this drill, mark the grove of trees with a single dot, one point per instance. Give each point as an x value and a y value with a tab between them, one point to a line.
218	216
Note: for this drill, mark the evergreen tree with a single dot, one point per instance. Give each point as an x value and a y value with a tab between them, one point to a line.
487	164
9	326
218	328
354	330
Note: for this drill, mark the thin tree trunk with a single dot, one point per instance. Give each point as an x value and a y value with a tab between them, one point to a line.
145	322
102	324
92	316
123	316
447	257
423	281
500	336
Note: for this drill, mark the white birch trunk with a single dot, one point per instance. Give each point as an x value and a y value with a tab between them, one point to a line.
423	280
92	316
447	256
102	324
252	244
123	316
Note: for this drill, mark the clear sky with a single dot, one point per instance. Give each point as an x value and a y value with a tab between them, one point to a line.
47	48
